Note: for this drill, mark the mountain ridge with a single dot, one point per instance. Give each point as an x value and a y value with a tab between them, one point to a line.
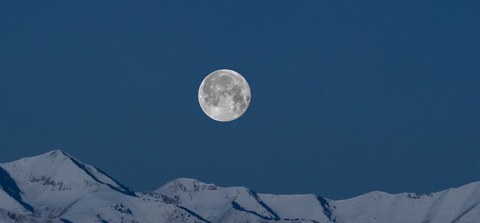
56	187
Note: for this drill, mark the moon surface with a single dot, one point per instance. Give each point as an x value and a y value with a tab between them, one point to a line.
224	95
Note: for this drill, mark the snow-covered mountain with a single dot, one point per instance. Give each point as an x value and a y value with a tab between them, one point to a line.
55	187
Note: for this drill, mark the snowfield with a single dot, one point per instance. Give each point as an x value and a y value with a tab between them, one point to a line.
56	187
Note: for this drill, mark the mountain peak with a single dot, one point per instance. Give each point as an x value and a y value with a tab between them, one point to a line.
57	170
57	152
51	155
186	185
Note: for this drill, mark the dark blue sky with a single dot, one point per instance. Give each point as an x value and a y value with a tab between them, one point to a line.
347	96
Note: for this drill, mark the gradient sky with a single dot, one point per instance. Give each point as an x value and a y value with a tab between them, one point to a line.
347	96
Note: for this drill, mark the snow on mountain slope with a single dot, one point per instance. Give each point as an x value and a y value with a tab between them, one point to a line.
55	187
9	203
305	207
453	205
213	202
10	195
55	176
218	204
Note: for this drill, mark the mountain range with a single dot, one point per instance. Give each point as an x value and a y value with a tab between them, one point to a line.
56	187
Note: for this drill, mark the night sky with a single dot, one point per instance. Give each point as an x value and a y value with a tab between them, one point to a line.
347	96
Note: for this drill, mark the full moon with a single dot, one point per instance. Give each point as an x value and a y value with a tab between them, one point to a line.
224	95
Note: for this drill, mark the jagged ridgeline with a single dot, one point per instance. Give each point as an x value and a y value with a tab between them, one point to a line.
55	187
